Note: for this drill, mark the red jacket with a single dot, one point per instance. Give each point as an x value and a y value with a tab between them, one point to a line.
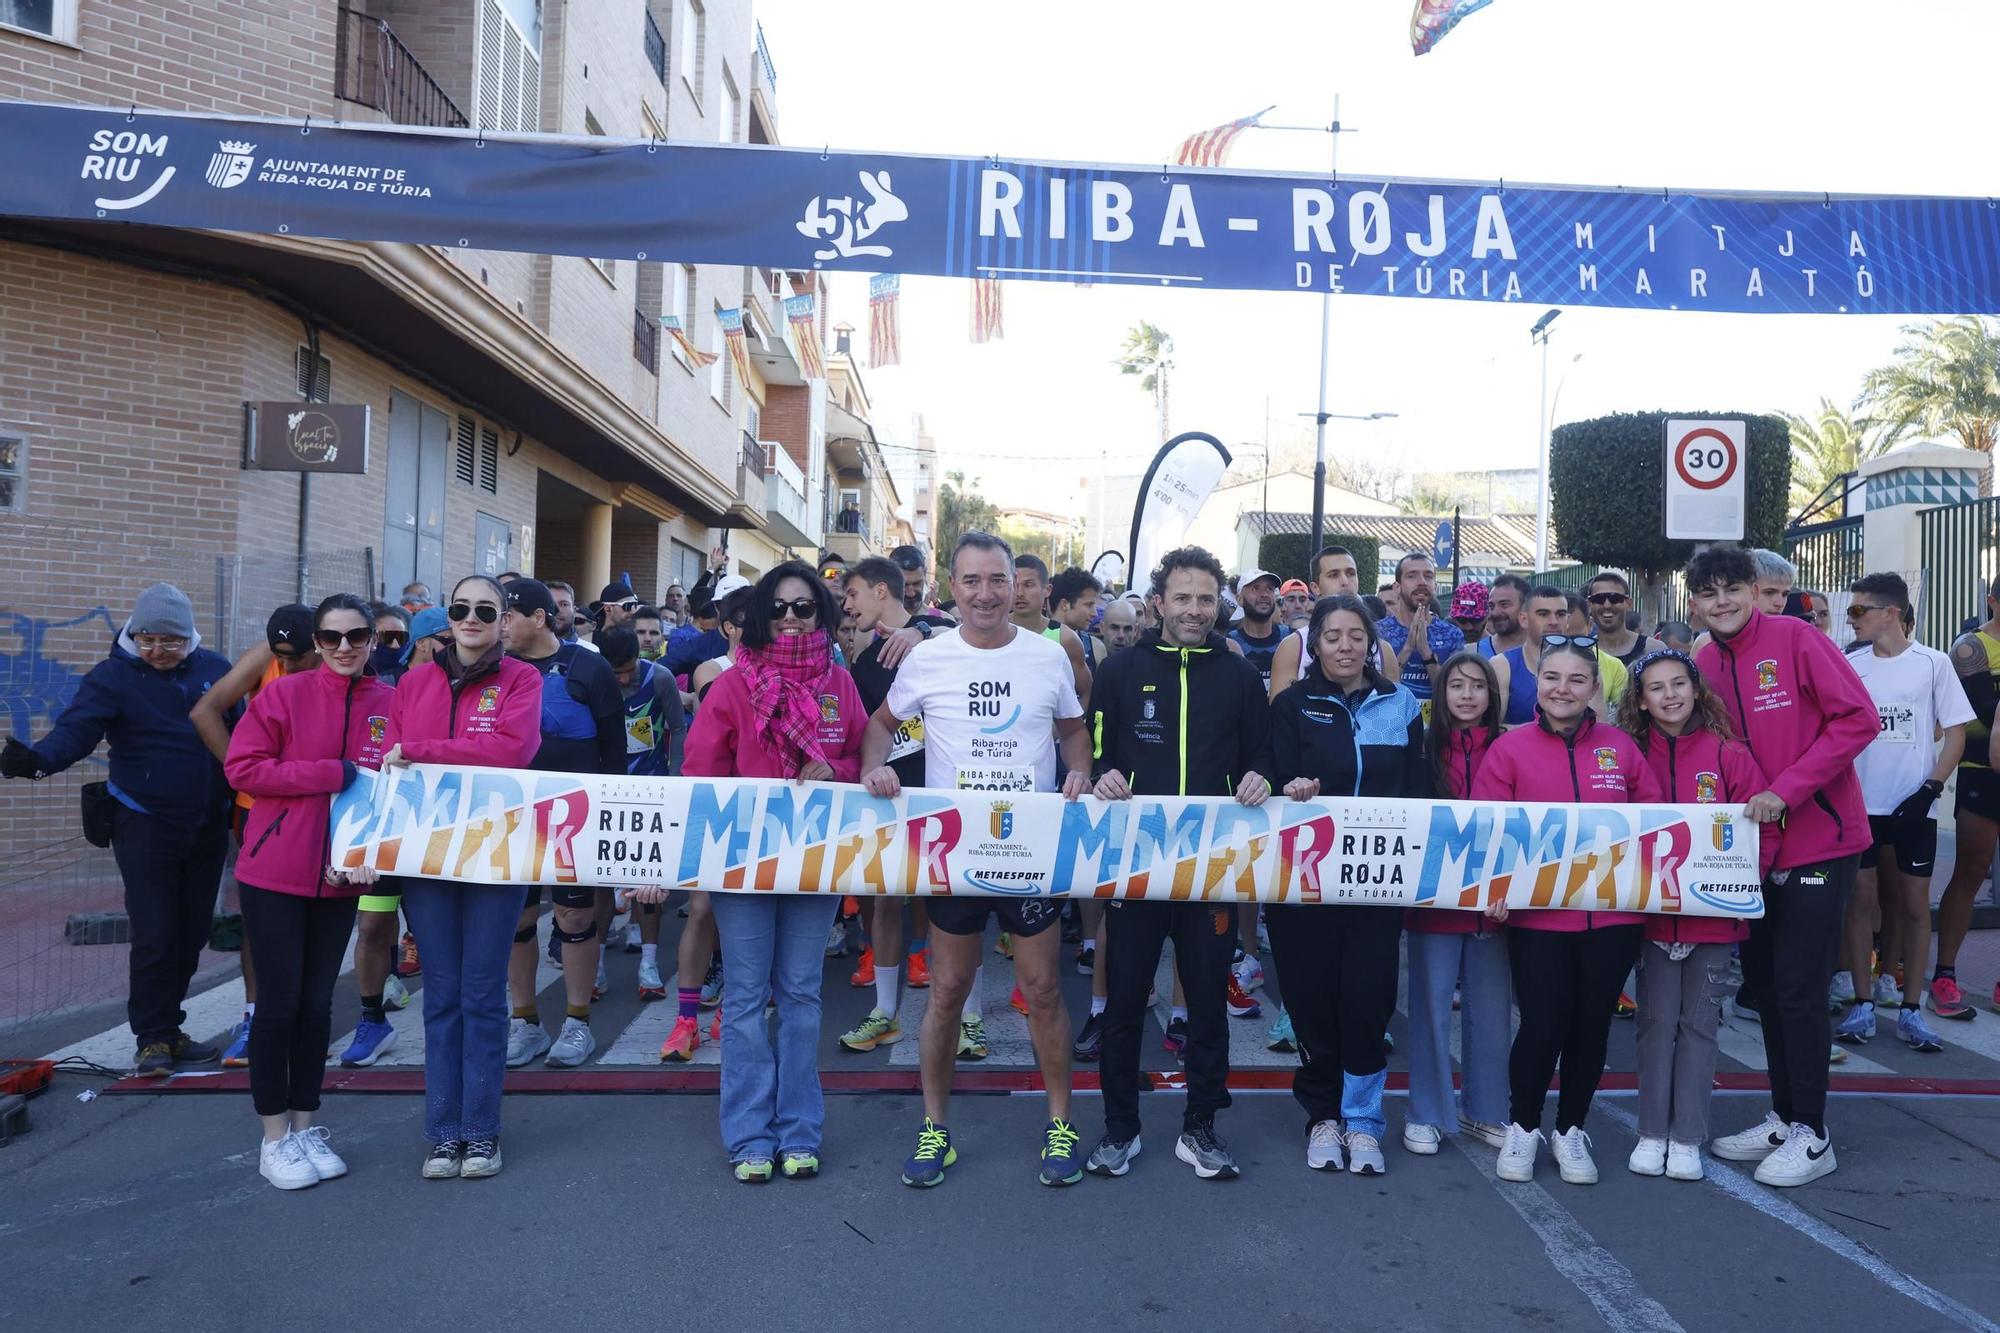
1465	750
1696	768
1596	765
299	743
1805	716
488	714
723	742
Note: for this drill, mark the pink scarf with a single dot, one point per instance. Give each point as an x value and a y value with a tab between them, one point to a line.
785	682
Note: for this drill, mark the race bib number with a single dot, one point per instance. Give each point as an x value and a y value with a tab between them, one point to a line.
1898	724
1004	777
639	734
908	740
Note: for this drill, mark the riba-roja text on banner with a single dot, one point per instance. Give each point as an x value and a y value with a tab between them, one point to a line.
989	217
503	826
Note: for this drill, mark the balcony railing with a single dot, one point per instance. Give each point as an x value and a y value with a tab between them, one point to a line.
374	68
753	455
656	47
764	60
645	341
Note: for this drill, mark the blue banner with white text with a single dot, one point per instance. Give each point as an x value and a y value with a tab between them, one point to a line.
803	209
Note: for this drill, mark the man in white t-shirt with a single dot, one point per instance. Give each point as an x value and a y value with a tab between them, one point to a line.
1919	702
995	699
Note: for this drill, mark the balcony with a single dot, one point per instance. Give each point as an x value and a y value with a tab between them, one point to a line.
656	47
374	68
789	514
645	341
752	498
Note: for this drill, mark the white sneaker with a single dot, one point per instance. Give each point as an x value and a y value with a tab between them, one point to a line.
1804	1158
603	981
1422	1140
573	1046
1249	973
1840	994
1649	1158
836	940
1684	1161
1517	1154
284	1164
326	1163
1753	1144
1364	1154
395	995
1886	992
1493	1136
1323	1145
1571	1149
525	1041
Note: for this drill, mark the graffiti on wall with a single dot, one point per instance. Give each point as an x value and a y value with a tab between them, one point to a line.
36	685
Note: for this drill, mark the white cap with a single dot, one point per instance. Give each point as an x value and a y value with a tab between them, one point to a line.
1250	576
727	584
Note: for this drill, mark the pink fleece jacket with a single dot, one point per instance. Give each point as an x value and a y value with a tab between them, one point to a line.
489	714
299	743
1805	716
1597	764
1465	750
723	742
1697	768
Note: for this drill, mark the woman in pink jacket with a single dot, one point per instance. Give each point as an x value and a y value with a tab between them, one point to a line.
1568	965
783	711
1681	726
303	739
471	704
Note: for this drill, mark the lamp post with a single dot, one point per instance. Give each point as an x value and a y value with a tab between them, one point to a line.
1319	459
1540	334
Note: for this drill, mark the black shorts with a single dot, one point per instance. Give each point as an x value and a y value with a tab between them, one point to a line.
1913	842
1978	794
563	895
1024	917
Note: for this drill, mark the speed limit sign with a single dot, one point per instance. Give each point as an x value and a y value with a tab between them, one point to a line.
1704	494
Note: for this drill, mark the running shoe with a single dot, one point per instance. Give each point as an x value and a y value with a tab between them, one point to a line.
1248	972
1364	1154
444	1161
238	1053
1571	1149
934	1153
753	1171
711	984
283	1163
798	1164
1947	1001
1061	1164
1886	991
1753	1144
1324	1142
1840	994
1916	1033
633	943
1089	1045
1176	1036
651	985
482	1158
863	975
371	1042
1111	1158
680	1044
1625	1008
1649	1158
1858	1028
1282	1038
1803	1158
1836	1055
1423	1140
1202	1149
972	1039
525	1041
878	1029
1004	946
715	1026
326	1163
395	995
1493	1136
572	1046
1241	1003
917	970
410	963
1517	1154
603	982
1086	961
188	1051
1017	1001
836	947
156	1060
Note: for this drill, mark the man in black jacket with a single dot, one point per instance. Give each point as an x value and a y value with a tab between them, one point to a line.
1176	715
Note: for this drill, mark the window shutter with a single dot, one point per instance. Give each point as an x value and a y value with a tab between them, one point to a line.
489	461
492	57
464	465
315	380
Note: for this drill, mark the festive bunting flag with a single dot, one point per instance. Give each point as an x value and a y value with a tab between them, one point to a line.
739	351
1210	148
800	310
986	323
672	324
885	331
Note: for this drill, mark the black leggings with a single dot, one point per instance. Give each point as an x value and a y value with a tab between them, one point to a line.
1337	973
298	944
1566	984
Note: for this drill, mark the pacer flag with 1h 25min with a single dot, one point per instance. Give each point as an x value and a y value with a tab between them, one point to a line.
502	826
1177	484
988	218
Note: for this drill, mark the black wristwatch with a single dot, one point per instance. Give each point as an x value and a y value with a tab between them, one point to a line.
922	627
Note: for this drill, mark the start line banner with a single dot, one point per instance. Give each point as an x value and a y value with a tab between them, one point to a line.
988	217
503	826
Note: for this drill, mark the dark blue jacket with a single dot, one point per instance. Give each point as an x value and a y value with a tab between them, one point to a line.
1369	743
158	762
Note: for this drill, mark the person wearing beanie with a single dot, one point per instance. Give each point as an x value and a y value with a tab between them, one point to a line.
169	806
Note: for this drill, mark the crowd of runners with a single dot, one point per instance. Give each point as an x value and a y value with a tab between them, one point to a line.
1265	686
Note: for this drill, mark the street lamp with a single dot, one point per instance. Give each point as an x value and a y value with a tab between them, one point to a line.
1319	460
1540	334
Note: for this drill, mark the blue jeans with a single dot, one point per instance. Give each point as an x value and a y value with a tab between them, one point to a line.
1486	1013
773	944
465	933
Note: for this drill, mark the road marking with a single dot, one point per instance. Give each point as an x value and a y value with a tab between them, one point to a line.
210	1013
1743	1189
1742	1040
1573	1252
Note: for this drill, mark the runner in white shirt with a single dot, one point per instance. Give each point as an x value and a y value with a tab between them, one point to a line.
1920	702
995	699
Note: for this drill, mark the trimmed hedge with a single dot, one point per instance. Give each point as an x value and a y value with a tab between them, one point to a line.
1289	555
1607	487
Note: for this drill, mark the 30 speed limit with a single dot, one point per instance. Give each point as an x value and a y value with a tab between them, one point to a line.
1704	476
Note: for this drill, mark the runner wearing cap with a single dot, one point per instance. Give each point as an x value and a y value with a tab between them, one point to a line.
1259	632
1468	608
616	605
1295	603
833	571
652	717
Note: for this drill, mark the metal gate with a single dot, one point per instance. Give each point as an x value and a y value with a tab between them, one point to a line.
1961	554
1829	555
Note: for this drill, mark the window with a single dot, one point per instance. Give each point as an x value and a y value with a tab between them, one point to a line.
687	565
45	18
719	370
13	474
476	456
656	47
680	301
507	82
693	35
315	379
753	419
731	130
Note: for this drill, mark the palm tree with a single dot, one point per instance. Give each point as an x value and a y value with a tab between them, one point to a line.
1427	501
1945	380
1826	446
1149	354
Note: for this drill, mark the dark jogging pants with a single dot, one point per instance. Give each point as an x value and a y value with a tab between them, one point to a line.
298	943
1204	943
1787	964
1566	983
171	873
1337	970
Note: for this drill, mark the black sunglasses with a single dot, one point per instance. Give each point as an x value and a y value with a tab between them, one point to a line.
333	638
800	608
1573	640
393	638
1607	598
486	611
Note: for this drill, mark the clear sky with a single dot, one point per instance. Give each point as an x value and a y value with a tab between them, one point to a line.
1838	95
